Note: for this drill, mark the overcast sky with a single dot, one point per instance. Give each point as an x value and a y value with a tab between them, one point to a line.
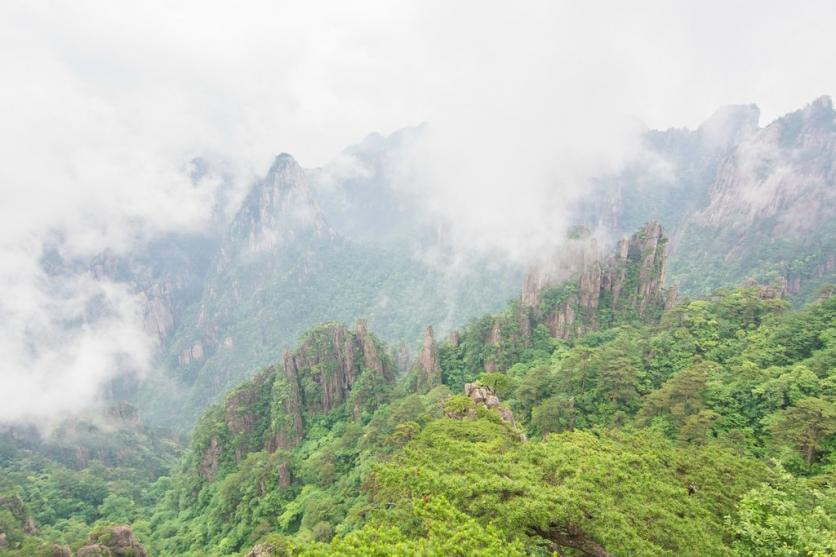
103	103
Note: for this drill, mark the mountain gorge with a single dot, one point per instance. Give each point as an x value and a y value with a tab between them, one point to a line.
661	383
307	246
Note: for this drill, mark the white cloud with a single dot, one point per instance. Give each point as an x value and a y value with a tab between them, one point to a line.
103	104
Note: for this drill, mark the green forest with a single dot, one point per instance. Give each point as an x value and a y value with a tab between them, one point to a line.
706	429
432	279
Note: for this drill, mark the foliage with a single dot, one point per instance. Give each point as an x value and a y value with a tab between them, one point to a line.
709	431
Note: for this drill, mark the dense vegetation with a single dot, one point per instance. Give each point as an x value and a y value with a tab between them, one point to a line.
84	476
704	429
709	432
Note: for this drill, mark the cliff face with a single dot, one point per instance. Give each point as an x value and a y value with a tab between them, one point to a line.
278	209
783	174
738	200
427	368
631	279
483	395
771	212
332	367
580	293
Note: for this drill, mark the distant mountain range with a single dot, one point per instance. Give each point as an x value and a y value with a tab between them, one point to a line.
739	202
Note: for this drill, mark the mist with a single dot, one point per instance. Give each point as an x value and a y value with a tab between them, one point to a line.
104	106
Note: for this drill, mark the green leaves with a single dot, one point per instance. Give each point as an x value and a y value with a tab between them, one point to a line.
785	518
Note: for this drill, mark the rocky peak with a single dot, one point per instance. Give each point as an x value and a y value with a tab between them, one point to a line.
578	253
427	368
320	375
271	410
483	395
114	541
728	126
279	208
602	291
781	177
373	353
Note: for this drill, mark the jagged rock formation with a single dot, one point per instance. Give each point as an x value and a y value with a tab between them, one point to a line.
771	211
167	277
427	368
633	276
117	541
320	375
783	173
739	201
630	281
626	286
483	395
403	357
278	210
577	255
332	367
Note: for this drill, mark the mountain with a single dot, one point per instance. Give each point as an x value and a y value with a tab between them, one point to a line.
311	245
690	424
771	211
741	202
594	391
279	268
344	242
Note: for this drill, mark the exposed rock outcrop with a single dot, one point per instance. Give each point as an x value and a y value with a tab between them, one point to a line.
784	172
627	285
633	276
403	358
770	209
320	374
484	395
116	541
427	368
595	291
210	462
195	353
277	210
579	253
15	505
270	412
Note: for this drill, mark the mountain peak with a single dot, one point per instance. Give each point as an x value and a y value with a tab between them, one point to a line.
819	113
282	161
279	207
729	125
823	102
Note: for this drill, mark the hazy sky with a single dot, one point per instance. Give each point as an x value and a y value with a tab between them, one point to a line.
103	104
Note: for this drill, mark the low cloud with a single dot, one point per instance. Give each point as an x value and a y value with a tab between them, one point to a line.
103	107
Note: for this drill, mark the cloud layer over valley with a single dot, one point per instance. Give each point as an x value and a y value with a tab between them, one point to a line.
104	105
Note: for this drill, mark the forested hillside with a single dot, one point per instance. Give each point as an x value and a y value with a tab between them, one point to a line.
417	278
578	422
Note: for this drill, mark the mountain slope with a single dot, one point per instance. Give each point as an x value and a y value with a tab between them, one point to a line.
772	208
281	268
687	401
741	202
